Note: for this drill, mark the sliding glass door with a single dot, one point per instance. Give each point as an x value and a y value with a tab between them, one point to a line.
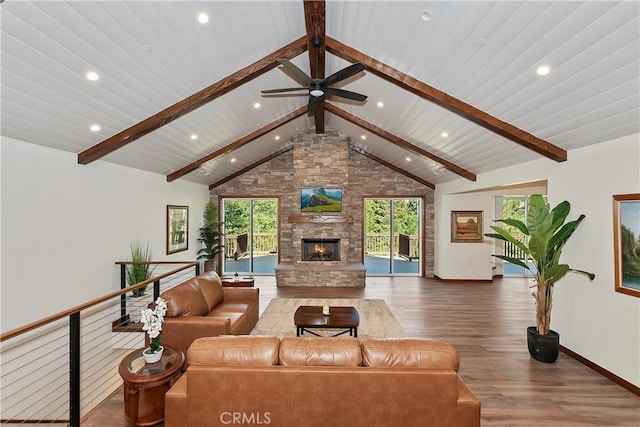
392	236
515	207
251	235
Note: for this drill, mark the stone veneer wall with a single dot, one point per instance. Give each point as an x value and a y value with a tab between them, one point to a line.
326	161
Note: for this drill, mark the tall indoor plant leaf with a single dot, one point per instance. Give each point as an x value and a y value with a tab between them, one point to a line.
546	232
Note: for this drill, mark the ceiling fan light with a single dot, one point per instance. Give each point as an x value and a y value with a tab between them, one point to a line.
316	92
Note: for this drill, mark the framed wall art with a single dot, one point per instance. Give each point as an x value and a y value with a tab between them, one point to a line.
626	243
466	227
177	228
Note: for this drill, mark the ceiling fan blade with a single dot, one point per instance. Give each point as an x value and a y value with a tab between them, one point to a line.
319	116
286	89
345	94
345	73
297	73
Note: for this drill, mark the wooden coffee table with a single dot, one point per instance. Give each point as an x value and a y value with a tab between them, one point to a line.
310	317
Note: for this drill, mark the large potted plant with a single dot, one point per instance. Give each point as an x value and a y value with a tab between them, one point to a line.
211	237
546	234
141	270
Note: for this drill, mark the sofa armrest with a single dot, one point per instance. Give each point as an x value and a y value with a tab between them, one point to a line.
252	294
468	408
180	332
175	404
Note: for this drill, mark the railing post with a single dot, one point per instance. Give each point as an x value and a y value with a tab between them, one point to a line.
123	297
74	370
156	289
198	269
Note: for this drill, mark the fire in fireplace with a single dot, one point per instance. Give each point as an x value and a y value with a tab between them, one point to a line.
320	249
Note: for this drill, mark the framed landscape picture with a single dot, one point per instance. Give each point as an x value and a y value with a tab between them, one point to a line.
321	200
177	228
466	227
626	243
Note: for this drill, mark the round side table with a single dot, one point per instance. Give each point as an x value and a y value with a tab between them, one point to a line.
146	383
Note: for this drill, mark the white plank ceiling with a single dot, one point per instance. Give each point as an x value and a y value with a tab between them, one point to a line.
152	54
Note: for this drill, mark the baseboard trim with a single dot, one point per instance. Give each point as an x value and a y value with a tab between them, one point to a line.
599	369
463	280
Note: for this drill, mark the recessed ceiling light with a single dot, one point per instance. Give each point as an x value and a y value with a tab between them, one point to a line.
95	128
482	42
363	137
92	76
256	105
193	137
203	18
380	104
277	138
543	70
444	134
408	159
425	15
233	160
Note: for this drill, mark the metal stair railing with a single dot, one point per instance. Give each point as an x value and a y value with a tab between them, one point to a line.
57	370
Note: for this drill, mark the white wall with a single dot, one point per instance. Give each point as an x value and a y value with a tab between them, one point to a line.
64	226
593	320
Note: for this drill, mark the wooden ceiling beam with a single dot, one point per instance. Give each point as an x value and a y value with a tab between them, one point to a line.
237	144
315	21
452	104
251	166
396	140
314	18
192	102
392	166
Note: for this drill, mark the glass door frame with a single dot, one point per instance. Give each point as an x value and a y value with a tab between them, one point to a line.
250	241
421	225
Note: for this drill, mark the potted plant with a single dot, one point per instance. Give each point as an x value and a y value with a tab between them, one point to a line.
141	271
546	234
210	237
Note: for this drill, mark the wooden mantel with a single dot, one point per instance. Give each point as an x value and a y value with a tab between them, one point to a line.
321	219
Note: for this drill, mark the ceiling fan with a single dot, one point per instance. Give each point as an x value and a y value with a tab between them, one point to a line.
318	88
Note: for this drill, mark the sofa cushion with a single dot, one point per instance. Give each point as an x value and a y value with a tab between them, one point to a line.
409	352
238	320
241	350
211	288
320	351
185	299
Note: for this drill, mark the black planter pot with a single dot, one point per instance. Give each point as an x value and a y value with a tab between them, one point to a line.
543	348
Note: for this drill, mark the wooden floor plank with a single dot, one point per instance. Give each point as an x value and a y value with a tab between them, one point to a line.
487	324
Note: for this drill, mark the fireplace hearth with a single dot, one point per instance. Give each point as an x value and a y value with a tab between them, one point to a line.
320	249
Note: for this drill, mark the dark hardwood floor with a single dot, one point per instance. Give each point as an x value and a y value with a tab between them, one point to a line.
487	324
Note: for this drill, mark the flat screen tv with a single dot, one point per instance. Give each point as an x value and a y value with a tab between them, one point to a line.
321	200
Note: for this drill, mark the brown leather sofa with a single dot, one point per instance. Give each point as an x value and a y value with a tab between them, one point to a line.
201	307
300	381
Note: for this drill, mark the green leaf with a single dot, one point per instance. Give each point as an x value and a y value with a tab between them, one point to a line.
508	237
559	214
539	219
513	261
515	223
557	272
590	275
538	249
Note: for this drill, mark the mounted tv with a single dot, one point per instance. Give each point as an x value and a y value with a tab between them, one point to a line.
321	200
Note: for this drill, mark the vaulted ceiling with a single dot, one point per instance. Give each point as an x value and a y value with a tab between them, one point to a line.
464	69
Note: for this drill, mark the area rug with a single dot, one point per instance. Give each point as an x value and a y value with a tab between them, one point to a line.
376	319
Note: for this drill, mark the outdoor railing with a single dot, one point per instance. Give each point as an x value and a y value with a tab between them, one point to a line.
263	243
512	250
58	369
406	245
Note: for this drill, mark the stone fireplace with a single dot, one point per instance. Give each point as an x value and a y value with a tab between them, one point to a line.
319	248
